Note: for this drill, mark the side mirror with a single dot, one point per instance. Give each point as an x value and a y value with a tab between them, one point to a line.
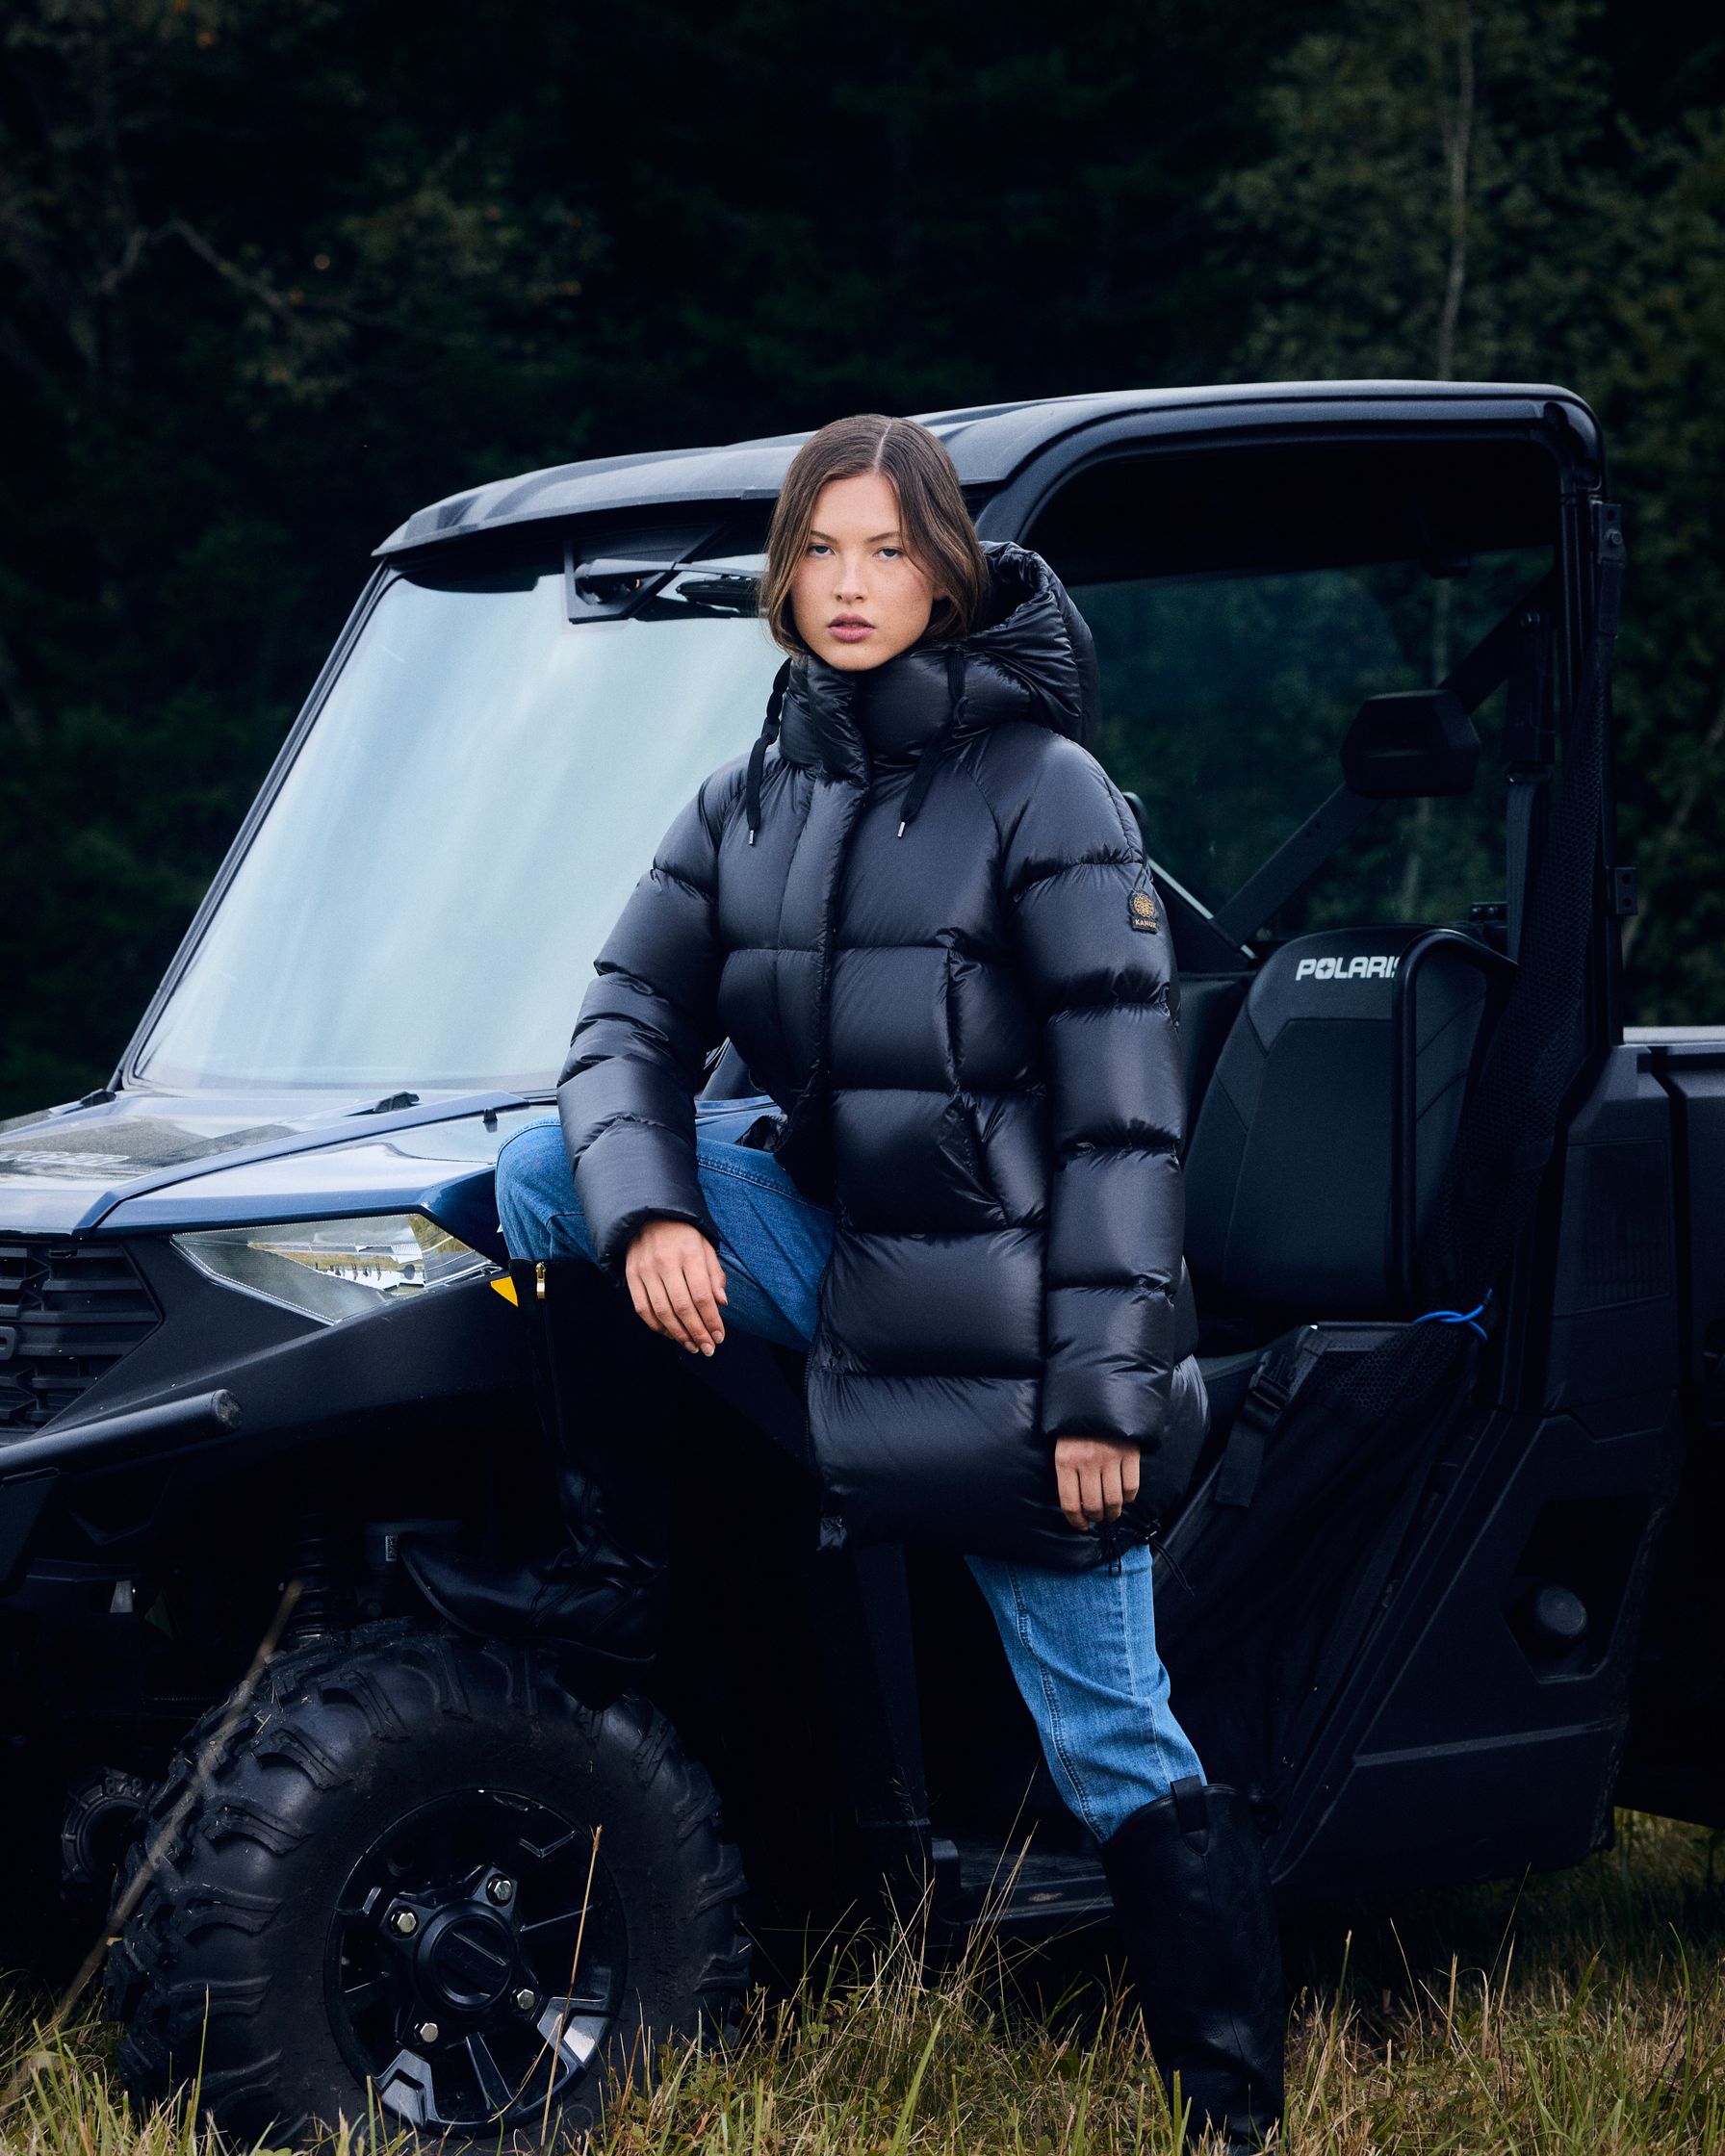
1408	744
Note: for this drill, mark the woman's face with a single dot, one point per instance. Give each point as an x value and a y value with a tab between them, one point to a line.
857	597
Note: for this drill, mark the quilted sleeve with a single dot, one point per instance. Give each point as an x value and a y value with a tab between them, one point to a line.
1093	950
626	1096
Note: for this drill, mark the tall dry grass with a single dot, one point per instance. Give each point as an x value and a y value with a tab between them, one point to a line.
1582	2014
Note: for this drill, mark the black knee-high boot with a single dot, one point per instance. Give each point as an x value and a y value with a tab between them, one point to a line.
605	1395
1192	1895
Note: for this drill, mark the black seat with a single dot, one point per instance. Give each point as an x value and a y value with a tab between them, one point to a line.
1322	1132
1313	1160
1209	1009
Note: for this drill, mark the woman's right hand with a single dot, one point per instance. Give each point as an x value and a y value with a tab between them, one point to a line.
676	1284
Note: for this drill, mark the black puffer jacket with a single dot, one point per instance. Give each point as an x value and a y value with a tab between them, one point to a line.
923	917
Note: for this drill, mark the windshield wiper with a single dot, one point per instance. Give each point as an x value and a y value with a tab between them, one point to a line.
712	592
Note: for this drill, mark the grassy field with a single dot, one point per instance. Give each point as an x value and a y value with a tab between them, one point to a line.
1582	2013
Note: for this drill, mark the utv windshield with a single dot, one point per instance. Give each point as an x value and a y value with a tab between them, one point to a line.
423	900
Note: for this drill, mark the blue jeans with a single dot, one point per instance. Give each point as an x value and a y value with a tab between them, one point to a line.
1081	1645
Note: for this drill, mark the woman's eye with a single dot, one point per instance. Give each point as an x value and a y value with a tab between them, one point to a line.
892	553
814	546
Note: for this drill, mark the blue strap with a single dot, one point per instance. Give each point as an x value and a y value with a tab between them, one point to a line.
1458	1317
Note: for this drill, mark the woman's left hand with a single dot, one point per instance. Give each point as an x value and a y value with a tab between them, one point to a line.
1095	1476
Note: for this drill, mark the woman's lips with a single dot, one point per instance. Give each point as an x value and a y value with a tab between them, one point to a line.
850	633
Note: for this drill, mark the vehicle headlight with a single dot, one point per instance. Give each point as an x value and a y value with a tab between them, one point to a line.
336	1269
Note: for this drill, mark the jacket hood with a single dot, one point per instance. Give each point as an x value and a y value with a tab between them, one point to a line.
1028	656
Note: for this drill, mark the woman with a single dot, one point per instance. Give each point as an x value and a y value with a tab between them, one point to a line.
921	913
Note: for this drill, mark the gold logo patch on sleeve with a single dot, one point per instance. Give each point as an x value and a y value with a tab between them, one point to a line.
1140	911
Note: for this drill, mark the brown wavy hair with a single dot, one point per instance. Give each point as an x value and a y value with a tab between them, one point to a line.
934	522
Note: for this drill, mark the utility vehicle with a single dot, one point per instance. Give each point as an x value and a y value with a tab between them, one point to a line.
251	1330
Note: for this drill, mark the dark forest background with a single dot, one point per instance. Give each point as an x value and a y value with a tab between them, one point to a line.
275	272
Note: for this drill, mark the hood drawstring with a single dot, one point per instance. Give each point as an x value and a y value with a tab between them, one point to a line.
769	729
1115	1537
923	777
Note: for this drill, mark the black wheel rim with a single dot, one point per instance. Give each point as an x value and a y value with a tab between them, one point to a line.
454	1980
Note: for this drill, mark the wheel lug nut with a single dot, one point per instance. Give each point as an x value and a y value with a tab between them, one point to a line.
427	2032
525	2000
406	1922
500	1890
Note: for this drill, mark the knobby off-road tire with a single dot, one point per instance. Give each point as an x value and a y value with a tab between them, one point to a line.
398	1838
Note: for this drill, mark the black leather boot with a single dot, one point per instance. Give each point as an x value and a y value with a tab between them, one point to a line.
1192	1895
601	1596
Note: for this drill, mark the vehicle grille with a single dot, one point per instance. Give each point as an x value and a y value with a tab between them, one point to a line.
68	1312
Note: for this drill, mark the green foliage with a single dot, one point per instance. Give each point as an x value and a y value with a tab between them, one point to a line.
1452	189
1429	193
1663	404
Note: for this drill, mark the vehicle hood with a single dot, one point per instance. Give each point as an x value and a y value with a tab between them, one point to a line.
166	1161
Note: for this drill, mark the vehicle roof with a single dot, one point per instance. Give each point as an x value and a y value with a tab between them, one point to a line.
988	443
